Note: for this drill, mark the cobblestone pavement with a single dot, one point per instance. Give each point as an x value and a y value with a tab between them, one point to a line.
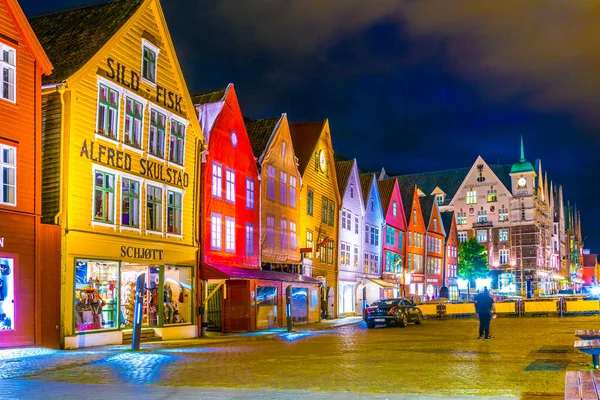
526	358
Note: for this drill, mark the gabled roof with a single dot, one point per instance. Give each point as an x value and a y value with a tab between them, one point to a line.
407	192
386	189
366	180
71	38
447	217
427	208
304	137
260	133
209	97
343	169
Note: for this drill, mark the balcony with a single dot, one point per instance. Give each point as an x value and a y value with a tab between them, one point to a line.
486	224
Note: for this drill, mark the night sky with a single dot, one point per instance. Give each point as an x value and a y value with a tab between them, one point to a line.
414	86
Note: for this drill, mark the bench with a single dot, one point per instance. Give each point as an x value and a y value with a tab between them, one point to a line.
591	347
581	385
588	334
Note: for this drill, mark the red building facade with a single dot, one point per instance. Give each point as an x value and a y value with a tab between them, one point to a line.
415	240
434	250
451	256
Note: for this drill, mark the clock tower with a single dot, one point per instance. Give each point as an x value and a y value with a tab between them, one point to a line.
523	176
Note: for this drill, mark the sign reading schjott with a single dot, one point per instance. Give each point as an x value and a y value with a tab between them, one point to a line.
141	253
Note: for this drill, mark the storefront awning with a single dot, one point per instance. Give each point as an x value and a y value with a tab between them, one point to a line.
382	283
225	272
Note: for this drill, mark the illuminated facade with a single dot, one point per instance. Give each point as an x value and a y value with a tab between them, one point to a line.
434	246
416	230
121	144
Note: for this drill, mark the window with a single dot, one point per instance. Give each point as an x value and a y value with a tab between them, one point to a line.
217	180
372	205
216	224
156	138
435	224
283	234
154	208
104	197
376	241
230	185
130	203
482	216
492	196
482	236
270	182
330	247
324	210
8	67
310	202
415	217
400	239
410	264
249	193
418	260
309	240
439	199
355	256
356	225
366	262
230	235
177	142
462	237
503	235
410	238
503	214
389	235
344	253
293	239
394	208
8	175
149	62
283	188
283	150
347	219
270	231
249	239
134	115
108	112
344	219
504	255
472	197
173	212
177	289
293	181
331	213
461	218
88	315
367	231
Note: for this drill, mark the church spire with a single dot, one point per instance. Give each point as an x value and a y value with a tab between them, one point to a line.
522	159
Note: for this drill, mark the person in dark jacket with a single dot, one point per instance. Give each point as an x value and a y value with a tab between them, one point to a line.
484	305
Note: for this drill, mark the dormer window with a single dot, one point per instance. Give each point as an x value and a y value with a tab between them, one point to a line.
149	61
439	199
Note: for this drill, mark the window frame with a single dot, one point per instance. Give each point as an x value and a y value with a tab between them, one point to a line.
110	87
249	193
230	223
14	168
270	232
230	194
216	244
10	67
133	118
471	197
156	50
162	206
115	176
249	239
219	178
180	193
139	198
310	202
184	123
159	111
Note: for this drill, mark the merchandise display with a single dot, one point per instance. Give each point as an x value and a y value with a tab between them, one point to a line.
95	301
7	296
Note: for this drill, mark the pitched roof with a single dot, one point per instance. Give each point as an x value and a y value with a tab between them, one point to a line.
71	38
386	189
407	192
260	132
304	137
427	208
366	180
590	260
209	97
447	217
343	169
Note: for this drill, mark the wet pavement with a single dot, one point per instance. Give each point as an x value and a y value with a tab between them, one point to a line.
527	358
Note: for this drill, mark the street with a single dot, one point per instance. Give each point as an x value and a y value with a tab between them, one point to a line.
527	358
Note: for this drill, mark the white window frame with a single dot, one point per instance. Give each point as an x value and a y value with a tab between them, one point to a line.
117	175
293	235
121	92
230	185
482	234
230	236
249	239
293	185
13	67
500	235
166	210
462	235
162	206
471	197
216	231
506	253
139	99
156	50
141	201
217	190
250	193
9	166
168	115
185	123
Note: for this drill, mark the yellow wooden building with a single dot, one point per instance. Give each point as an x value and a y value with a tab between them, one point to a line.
319	206
121	144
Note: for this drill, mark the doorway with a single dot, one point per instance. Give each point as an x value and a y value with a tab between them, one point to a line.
129	275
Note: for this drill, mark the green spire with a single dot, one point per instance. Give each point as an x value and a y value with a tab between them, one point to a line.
522	151
522	166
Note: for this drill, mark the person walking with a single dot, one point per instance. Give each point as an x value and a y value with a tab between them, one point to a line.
484	305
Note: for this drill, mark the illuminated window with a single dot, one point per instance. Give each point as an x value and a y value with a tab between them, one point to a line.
461	218
108	112
134	115
249	239
149	55
415	217
330	247
173	212
283	234
472	197
217	180
503	235
130	203
156	138
216	224
177	146
104	197
230	234
462	237
283	188
230	185
249	194
435	224
503	214
293	238
394	208
154	208
309	241
389	235
8	175
482	236
355	256
8	68
344	253
95	306
504	256
482	216
492	196
270	231
293	182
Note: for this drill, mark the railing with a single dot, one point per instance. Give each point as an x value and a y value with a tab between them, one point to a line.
486	224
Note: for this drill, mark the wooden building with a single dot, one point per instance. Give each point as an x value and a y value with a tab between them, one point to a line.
434	246
29	308
415	240
120	147
451	256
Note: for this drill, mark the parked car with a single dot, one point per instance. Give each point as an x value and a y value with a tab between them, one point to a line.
396	311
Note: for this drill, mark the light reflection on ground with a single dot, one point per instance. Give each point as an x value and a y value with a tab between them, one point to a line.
17	354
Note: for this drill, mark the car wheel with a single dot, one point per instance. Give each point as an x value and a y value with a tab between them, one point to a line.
370	325
419	319
403	321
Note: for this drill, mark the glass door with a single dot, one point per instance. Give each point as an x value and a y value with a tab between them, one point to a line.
152	294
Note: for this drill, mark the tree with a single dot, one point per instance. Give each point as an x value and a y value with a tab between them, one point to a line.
472	260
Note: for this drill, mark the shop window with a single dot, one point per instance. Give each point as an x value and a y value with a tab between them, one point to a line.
108	112
104	197
293	235
230	185
178	295
230	235
150	305
217	180
249	239
156	138
134	115
270	231
266	307
154	208
173	212
149	56
8	175
96	295
283	188
130	203
7	294
271	182
177	146
8	67
249	194
299	304
216	224
293	182
310	202
283	234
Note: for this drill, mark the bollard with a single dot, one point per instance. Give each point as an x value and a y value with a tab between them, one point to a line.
288	306
137	313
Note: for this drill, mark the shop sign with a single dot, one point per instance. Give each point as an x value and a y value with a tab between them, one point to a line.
121	160
141	253
432	280
1	242
417	278
131	80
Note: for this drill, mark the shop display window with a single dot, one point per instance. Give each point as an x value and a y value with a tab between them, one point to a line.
96	295
266	303
299	304
150	310
177	295
7	294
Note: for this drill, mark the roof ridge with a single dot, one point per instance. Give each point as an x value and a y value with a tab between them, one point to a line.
99	3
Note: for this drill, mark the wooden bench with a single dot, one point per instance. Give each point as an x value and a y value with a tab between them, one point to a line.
588	334
591	347
580	385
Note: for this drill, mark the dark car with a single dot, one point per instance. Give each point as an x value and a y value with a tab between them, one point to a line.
390	312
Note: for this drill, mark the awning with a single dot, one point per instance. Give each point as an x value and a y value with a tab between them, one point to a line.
225	272
382	283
